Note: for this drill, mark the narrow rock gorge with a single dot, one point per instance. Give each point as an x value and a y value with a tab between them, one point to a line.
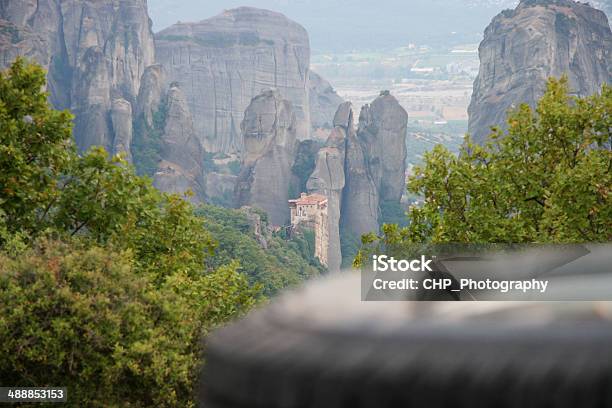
525	46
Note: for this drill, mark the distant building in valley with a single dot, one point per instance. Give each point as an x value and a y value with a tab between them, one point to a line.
310	212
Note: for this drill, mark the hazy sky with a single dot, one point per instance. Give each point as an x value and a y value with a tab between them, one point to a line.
338	25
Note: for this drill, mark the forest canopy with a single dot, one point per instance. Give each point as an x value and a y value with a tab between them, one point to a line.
106	284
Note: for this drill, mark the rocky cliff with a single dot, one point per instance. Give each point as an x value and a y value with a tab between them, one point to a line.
95	53
223	62
382	132
375	164
182	155
121	121
100	57
269	139
525	46
360	170
323	102
328	179
361	197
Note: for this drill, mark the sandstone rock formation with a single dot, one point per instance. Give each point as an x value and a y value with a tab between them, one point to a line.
269	143
95	52
225	61
220	188
100	57
358	171
328	179
151	93
323	102
382	131
163	114
525	46
121	119
22	41
181	167
361	198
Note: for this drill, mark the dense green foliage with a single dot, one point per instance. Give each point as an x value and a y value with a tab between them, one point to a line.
393	212
81	316
265	257
106	284
546	179
34	147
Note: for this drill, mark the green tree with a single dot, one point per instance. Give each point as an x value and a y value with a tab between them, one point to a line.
546	179
35	146
81	316
277	264
105	283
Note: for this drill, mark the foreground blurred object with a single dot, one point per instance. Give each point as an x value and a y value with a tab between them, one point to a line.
322	347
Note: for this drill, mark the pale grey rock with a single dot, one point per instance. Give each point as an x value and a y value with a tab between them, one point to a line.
525	46
323	102
183	156
22	41
95	51
358	171
150	95
343	117
382	131
223	62
91	101
269	138
361	199
121	118
328	179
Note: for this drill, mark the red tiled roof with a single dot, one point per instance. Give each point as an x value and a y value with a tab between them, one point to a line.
309	199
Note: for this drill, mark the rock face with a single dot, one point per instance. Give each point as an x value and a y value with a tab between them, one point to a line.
361	198
20	41
181	167
151	93
164	113
121	119
225	61
95	53
220	188
375	164
323	102
525	46
382	132
328	179
269	136
100	58
358	171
